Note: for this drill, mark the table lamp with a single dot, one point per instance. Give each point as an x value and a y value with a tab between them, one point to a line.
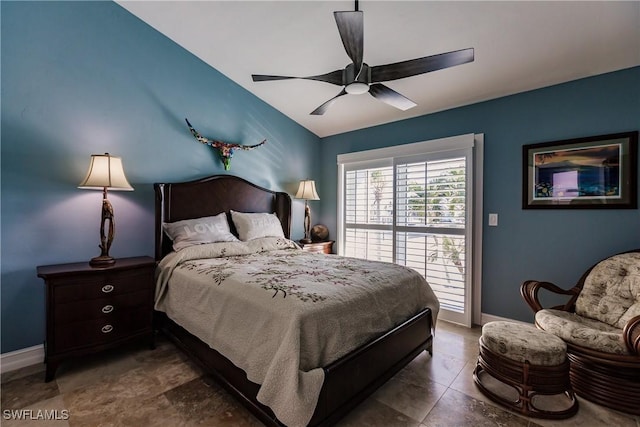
105	173
307	191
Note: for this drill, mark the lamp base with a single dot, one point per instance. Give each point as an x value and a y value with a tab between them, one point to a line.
102	261
306	240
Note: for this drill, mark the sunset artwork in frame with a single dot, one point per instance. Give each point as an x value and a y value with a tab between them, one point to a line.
598	172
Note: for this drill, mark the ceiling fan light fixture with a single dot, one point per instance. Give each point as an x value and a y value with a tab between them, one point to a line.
358	77
357	88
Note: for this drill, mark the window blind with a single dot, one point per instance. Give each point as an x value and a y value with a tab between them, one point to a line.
412	205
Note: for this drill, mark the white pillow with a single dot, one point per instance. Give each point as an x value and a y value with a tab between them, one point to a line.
255	225
198	231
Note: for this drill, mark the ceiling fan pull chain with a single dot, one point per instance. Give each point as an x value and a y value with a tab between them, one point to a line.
359	72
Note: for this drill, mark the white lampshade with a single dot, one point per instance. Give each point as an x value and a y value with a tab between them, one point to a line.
105	171
307	190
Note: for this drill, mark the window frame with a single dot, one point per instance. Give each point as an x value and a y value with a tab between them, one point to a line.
389	156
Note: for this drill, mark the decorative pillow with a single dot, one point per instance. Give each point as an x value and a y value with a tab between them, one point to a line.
611	291
198	231
255	225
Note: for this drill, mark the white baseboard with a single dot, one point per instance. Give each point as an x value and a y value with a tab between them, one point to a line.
21	358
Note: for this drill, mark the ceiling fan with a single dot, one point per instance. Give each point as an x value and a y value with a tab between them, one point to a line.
358	77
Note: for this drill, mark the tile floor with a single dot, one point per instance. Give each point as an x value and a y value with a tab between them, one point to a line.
139	387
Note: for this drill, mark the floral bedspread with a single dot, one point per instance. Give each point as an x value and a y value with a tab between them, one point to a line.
281	314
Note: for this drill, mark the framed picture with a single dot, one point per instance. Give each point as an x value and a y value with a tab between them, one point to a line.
598	172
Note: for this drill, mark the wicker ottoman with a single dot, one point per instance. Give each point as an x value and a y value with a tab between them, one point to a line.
531	361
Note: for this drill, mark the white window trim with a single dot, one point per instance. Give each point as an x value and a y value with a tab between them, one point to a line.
478	171
386	154
416	148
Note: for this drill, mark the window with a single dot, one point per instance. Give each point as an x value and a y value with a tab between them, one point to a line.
414	208
369	213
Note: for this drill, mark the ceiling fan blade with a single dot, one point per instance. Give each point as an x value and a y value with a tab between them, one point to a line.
324	107
264	78
413	67
390	96
334	77
351	28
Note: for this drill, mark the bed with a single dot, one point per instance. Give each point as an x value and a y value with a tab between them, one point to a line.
338	385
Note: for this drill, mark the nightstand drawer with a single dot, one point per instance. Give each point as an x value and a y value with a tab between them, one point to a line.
108	307
93	287
92	309
102	330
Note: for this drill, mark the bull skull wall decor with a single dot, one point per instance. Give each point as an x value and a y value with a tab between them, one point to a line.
225	149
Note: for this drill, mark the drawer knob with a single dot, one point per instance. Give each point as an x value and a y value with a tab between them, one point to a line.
106	329
107	309
107	288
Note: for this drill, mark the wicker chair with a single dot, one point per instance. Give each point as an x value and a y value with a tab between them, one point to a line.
601	325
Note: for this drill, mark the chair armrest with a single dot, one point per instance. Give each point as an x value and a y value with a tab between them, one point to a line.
631	335
529	291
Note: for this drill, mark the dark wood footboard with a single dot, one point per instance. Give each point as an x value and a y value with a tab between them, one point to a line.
352	378
348	381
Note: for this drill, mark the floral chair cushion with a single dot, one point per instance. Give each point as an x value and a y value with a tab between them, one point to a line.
611	292
523	343
582	331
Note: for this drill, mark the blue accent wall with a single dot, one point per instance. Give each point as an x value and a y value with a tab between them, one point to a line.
80	78
551	245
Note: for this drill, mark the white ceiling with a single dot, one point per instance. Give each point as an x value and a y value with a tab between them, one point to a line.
518	45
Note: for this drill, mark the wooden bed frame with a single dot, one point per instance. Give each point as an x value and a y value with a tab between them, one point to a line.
349	380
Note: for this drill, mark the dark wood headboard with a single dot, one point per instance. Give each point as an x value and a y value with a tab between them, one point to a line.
211	195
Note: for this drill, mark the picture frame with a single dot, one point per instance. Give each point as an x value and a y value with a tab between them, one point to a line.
596	172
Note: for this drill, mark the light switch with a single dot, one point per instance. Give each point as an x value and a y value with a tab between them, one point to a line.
493	219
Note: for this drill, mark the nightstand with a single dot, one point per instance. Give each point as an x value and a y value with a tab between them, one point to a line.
93	309
319	247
